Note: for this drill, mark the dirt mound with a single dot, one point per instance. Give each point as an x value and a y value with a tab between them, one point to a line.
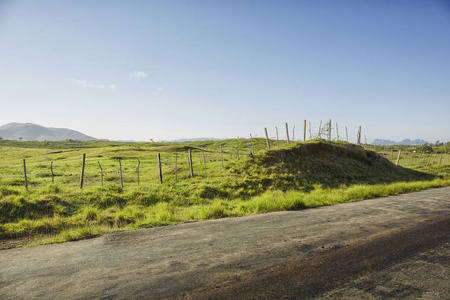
330	164
327	150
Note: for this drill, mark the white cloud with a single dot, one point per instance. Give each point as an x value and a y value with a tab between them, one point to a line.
85	84
137	75
158	88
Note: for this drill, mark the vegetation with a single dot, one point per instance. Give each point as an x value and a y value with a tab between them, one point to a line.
293	176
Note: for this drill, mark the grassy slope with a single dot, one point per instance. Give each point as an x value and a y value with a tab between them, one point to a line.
297	175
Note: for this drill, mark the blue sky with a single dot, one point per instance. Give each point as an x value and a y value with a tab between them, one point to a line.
140	70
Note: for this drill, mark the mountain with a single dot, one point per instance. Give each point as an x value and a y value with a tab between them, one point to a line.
408	142
33	132
380	142
414	142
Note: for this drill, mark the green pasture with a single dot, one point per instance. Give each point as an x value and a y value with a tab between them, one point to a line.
226	183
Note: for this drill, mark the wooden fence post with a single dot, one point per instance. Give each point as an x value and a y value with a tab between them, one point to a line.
320	130
176	158
121	177
204	161
310	131
337	132
25	174
358	139
253	150
278	143
82	171
101	173
398	157
287	133
267	138
51	168
346	133
139	164
191	169
304	130
329	130
160	168
429	158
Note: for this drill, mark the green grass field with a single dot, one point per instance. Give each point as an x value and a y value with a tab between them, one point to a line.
225	184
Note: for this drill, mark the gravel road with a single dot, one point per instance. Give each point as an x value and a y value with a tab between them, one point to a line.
391	247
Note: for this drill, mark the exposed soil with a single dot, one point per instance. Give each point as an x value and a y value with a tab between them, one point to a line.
14	243
319	274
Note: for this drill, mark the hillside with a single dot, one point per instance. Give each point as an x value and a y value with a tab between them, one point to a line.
34	132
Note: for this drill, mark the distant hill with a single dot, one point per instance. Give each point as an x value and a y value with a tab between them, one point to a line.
407	142
191	140
33	132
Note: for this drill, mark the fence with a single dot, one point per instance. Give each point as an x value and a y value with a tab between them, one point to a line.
129	165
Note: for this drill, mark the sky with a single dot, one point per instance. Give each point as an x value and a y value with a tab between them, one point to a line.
164	70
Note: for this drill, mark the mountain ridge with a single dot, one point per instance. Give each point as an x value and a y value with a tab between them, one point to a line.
35	132
408	142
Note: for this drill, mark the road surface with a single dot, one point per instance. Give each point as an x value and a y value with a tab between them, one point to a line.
390	247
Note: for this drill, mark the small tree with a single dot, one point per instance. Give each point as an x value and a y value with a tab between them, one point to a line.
425	148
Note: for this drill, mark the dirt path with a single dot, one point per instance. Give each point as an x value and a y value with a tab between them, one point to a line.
395	246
